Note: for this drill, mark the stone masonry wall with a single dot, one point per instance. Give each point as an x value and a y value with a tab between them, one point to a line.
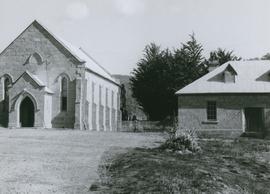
102	103
56	60
36	51
230	110
17	94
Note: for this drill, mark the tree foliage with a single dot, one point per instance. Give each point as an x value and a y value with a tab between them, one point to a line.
266	56
123	106
188	63
221	56
160	73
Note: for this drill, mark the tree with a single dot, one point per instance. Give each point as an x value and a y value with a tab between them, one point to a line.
160	73
148	81
266	56
123	106
188	62
221	56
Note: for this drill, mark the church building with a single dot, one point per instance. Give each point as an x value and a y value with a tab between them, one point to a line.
45	82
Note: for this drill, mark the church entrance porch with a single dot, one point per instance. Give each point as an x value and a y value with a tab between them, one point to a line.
27	113
30	103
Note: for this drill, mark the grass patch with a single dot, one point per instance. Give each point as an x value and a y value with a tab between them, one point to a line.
223	166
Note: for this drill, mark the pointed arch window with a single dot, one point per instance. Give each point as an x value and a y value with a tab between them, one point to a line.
35	59
64	91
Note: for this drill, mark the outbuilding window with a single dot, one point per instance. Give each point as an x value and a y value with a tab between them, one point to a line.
64	85
212	110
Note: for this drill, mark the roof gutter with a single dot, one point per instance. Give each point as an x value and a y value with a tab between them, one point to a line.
222	93
114	82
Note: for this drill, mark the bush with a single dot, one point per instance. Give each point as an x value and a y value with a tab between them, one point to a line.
182	140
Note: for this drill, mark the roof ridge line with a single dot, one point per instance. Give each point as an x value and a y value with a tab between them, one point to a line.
17	36
58	40
95	61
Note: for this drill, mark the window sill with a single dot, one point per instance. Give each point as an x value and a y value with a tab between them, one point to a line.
210	122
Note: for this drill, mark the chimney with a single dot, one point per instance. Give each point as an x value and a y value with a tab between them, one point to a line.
212	65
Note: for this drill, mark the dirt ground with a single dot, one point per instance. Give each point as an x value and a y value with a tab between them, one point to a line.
239	166
58	161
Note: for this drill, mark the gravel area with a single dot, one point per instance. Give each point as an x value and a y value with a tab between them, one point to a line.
58	161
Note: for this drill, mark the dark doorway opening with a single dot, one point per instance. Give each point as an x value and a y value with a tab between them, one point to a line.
5	103
254	119
27	113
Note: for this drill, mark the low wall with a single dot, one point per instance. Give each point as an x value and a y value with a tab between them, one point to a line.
219	133
143	126
156	126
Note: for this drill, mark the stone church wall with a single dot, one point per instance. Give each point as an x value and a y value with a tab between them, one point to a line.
56	60
48	111
35	93
36	51
102	103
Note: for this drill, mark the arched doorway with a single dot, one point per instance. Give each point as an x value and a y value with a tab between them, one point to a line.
27	113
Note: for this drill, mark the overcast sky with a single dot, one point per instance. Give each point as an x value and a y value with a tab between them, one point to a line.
115	32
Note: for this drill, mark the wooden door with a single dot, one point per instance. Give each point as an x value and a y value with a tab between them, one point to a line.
254	119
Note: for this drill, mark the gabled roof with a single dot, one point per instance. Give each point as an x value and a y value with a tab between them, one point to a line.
33	77
36	80
231	69
250	77
79	54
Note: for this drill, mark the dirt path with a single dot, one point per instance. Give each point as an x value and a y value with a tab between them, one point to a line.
58	161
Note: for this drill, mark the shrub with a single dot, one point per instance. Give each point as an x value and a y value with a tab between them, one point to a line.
182	140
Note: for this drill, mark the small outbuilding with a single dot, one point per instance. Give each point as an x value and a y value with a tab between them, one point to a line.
234	96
